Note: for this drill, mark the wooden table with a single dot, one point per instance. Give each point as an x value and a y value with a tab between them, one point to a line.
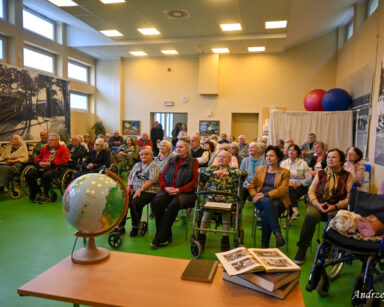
127	279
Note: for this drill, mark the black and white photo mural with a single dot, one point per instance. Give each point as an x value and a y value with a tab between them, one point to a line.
31	102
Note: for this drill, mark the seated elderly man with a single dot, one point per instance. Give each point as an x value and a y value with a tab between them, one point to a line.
77	151
50	158
11	160
144	141
96	159
40	145
243	146
222	177
115	140
198	152
233	162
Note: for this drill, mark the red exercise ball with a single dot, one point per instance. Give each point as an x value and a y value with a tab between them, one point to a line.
312	101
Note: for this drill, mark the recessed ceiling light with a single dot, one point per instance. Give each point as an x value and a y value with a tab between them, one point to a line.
138	53
220	50
149	31
111	33
63	2
256	49
230	27
169	51
276	24
112	1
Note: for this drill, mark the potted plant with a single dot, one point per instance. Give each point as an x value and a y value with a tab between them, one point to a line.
98	128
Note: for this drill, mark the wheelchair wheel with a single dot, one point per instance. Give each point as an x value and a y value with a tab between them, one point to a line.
334	270
358	287
66	179
195	249
314	278
143	228
323	285
374	302
23	179
16	193
115	240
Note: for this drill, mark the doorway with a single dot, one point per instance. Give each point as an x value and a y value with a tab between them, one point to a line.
168	121
246	124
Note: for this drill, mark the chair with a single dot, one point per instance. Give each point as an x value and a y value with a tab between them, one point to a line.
283	216
367	178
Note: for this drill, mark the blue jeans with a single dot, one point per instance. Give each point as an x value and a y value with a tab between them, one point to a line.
271	210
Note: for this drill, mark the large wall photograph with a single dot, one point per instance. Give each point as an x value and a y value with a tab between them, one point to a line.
31	102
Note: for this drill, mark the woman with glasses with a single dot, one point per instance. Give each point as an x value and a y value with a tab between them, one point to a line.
352	165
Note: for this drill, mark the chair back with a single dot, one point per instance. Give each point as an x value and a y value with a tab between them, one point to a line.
366	204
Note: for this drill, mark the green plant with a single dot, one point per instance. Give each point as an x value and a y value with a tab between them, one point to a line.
98	128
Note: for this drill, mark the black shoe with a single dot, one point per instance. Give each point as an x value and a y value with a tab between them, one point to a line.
300	256
264	244
44	199
121	230
279	239
225	244
155	244
201	238
3	190
134	232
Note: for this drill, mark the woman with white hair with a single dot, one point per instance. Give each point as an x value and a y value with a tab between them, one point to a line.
165	153
11	160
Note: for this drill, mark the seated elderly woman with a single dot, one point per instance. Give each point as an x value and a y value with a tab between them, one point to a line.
142	187
11	160
210	147
250	164
352	165
220	178
319	159
235	149
269	193
96	159
328	193
165	154
125	153
300	177
177	184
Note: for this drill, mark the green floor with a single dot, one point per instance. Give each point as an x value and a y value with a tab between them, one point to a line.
34	237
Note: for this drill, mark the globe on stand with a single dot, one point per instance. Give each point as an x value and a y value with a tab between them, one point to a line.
94	204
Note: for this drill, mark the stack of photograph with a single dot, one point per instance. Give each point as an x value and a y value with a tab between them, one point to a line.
268	271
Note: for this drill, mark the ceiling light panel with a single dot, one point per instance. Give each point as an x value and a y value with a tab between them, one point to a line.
138	53
111	33
62	3
279	24
149	31
230	27
220	50
112	1
256	49
169	52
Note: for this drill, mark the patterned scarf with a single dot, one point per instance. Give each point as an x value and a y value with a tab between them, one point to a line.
332	182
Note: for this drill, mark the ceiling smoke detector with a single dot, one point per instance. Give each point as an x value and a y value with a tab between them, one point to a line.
177	14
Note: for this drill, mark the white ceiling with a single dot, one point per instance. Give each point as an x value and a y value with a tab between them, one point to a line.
199	32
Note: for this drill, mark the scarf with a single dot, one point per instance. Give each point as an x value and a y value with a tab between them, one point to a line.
332	182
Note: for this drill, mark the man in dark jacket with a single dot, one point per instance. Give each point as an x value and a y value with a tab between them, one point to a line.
157	135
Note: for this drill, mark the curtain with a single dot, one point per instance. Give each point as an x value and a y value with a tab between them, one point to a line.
332	128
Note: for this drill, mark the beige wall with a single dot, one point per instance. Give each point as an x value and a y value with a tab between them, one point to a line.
246	84
363	50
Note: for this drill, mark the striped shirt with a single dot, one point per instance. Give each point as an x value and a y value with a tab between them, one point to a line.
299	171
140	176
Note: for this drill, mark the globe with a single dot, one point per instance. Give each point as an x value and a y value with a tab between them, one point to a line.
94	204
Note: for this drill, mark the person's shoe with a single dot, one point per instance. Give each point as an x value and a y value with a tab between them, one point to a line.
279	239
44	199
133	232
225	244
264	245
201	238
300	255
3	190
165	243
295	215
155	244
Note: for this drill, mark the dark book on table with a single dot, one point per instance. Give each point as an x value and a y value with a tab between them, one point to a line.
201	270
280	293
270	281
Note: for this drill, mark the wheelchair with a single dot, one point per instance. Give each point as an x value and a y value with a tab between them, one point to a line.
16	182
236	220
336	249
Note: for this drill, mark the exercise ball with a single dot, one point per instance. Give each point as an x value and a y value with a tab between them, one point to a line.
336	99
312	101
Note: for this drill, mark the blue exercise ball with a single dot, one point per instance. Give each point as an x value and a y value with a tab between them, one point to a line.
336	99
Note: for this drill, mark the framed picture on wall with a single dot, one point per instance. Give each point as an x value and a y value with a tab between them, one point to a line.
131	127
208	127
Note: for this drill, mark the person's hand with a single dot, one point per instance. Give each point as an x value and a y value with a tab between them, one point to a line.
220	173
137	193
11	161
130	190
330	208
294	184
313	172
45	164
84	159
325	207
90	166
172	190
256	197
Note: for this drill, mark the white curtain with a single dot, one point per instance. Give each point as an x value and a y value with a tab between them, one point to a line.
332	128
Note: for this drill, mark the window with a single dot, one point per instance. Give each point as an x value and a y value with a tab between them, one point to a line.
1	49
78	72
2	15
78	101
350	29
372	6
39	60
38	24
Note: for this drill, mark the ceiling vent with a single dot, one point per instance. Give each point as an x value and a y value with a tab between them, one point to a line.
177	14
